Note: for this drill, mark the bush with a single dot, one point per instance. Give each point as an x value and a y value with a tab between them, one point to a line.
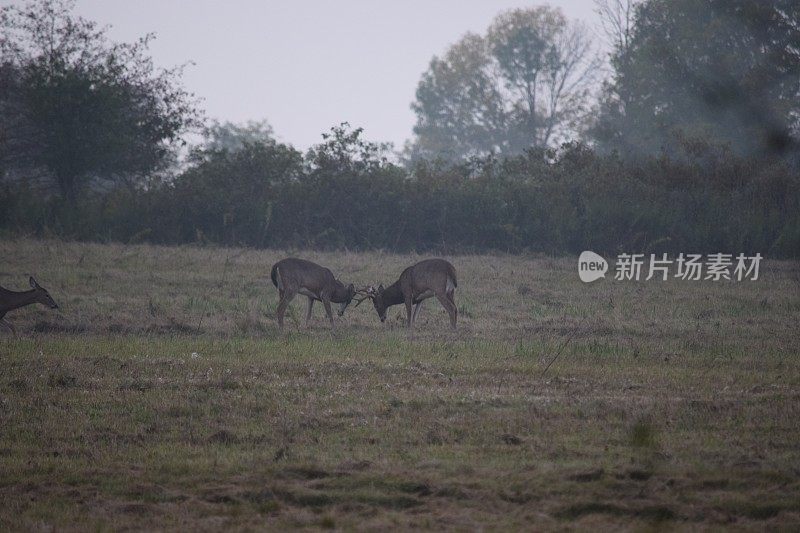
556	202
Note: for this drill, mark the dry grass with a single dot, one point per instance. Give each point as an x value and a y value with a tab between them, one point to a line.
161	395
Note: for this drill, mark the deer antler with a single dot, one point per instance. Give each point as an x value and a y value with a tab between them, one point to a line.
367	292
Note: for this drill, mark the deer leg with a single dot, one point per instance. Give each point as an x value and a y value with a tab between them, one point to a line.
452	297
409	312
326	301
282	305
417	307
310	305
450	306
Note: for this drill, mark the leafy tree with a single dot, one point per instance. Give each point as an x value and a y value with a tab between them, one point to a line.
84	108
524	84
345	151
722	72
234	137
458	105
229	195
349	192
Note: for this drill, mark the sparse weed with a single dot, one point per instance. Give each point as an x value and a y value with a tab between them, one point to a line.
643	434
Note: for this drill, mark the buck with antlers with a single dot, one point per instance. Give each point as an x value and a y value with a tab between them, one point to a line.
293	276
431	277
10	300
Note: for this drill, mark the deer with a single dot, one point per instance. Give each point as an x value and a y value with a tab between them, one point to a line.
292	276
10	300
428	278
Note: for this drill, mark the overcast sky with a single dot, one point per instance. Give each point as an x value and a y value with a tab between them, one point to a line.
306	65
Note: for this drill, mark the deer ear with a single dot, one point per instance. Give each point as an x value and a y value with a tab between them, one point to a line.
33	282
380	287
351	289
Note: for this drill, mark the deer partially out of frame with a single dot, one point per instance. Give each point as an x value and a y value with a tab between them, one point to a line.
292	276
431	277
10	300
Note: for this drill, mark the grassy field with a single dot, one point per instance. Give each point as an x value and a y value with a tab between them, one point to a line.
161	395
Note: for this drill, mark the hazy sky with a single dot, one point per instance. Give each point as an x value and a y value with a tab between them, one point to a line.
306	65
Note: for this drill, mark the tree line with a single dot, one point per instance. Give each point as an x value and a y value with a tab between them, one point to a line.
689	145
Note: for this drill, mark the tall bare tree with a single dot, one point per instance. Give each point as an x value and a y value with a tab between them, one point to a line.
524	84
616	21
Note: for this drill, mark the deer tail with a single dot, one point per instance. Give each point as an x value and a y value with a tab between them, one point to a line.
274	274
451	271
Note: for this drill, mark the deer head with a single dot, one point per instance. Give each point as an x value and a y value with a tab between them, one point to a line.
42	296
376	295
